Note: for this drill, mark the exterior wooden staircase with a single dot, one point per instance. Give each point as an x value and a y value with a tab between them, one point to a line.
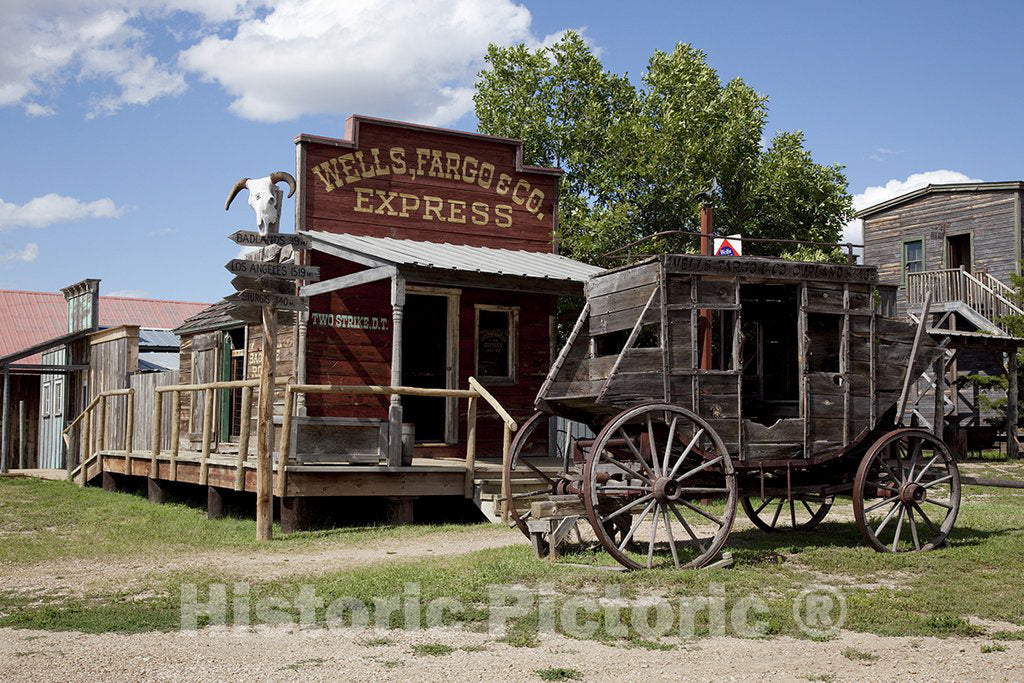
979	298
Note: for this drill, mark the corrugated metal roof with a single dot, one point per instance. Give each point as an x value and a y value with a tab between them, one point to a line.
30	318
214	317
149	338
463	258
151	361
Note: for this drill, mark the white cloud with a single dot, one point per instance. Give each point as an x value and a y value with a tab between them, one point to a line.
54	208
882	153
412	60
27	254
854	230
161	232
36	109
130	293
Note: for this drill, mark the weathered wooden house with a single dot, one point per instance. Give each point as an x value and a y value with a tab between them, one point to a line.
960	242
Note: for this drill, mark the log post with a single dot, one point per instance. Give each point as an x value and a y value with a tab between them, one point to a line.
204	456
86	450
470	447
175	431
243	439
400	510
265	429
1011	405
108	482
285	445
214	503
156	492
506	482
157	436
22	432
129	423
294	516
6	417
101	425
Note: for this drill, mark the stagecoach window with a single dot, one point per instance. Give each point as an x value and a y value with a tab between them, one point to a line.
723	329
825	335
612	343
496	332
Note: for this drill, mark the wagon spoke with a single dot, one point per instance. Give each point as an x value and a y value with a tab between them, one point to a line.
807	507
926	519
699	468
887	517
884	487
689	530
669	440
636	452
778	511
940	480
919	444
636	524
526	461
700	512
927	467
671	540
686	452
939	503
628	506
654	536
899	527
763	506
884	501
913	528
616	463
651	446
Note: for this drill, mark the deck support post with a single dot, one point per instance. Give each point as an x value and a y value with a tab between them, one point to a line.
6	429
400	510
395	409
108	482
265	429
22	433
214	503
1011	405
294	515
156	491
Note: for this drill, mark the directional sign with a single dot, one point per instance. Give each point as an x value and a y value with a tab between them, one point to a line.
253	314
284	271
250	238
241	282
283	301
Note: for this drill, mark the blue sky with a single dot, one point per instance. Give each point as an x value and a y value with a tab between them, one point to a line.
126	123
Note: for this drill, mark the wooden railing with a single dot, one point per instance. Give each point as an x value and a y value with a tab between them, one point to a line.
984	293
98	405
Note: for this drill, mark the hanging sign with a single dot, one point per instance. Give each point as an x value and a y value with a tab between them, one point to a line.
251	238
285	271
731	245
282	301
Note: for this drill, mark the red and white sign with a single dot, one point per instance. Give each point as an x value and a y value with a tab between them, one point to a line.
731	245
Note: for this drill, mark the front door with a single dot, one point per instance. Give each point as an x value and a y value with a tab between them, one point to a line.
425	364
958	251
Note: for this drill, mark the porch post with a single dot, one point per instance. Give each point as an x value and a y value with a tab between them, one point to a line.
1011	405
395	409
6	419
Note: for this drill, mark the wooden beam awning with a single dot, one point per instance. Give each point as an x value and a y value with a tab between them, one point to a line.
452	264
979	341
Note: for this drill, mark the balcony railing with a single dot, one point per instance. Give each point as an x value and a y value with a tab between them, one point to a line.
982	292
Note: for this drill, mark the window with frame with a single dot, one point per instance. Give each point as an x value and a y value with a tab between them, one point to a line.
495	342
913	256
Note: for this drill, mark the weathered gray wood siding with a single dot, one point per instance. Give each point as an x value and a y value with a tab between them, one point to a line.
145	384
991	217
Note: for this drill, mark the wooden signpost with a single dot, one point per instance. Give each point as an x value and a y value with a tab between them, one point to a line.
264	288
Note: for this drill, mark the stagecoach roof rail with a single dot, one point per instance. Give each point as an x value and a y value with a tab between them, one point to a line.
618	253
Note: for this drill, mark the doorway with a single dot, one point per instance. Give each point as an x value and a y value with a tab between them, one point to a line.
958	251
427	362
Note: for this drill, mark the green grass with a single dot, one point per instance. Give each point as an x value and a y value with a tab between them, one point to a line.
927	594
993	647
55	520
432	649
560	674
856	655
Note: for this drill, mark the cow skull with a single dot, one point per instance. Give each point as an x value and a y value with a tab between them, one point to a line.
264	198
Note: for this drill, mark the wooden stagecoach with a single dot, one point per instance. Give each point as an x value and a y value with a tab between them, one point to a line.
691	385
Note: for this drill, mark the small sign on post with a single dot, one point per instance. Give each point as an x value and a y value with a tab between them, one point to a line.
731	245
251	238
286	302
283	271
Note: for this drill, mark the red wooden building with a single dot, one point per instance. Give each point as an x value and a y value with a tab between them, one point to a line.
438	262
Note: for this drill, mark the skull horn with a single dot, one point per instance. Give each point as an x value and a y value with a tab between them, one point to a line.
239	186
278	176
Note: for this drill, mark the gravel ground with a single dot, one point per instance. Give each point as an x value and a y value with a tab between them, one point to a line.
45	656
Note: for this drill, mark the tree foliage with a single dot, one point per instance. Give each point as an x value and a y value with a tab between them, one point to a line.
635	157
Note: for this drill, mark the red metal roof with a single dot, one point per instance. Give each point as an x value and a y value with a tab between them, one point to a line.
29	318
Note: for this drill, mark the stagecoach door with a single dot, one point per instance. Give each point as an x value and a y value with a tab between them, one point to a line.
428	362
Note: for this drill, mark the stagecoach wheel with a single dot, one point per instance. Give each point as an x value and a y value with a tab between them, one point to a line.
906	495
802	512
530	461
664	469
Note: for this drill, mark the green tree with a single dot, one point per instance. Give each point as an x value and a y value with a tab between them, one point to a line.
635	156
